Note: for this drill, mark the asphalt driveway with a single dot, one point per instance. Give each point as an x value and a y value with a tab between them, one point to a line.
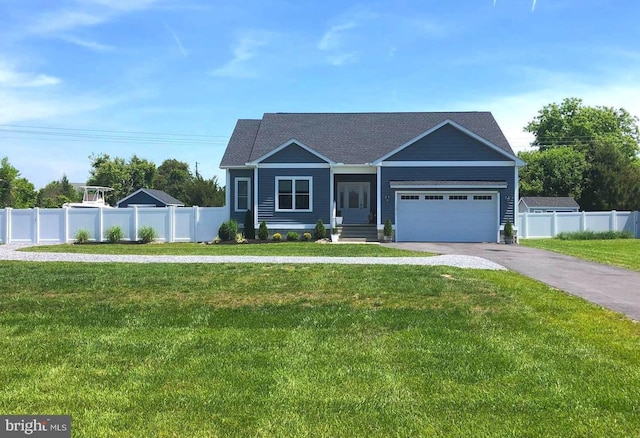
614	288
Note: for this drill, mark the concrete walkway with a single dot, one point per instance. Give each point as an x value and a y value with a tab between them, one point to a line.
615	288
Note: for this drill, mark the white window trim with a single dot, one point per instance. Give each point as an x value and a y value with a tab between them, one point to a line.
235	205
293	194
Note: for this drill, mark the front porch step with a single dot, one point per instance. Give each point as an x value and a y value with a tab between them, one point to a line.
359	233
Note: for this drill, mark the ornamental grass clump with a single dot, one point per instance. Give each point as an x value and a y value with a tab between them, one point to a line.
82	236
147	234
114	234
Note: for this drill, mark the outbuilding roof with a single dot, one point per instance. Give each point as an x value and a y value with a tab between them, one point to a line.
550	201
349	138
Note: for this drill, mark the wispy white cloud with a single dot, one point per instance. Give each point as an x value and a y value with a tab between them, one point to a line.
10	78
91	45
342	59
246	48
177	40
332	38
65	21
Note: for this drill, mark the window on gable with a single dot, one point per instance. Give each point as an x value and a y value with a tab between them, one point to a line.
293	193
243	194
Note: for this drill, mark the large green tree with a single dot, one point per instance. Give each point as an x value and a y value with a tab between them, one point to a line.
15	191
124	177
174	178
607	139
57	193
206	192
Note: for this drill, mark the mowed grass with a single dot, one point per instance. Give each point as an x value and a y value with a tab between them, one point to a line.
618	252
311	350
305	249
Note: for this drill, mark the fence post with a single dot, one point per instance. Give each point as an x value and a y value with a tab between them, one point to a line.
7	225
100	225
65	212
196	220
524	223
172	223
135	223
583	221
612	221
36	225
554	224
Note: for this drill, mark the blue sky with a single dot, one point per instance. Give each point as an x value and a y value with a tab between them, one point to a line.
193	67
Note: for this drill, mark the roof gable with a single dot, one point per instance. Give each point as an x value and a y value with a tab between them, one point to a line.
350	138
447	141
161	196
292	151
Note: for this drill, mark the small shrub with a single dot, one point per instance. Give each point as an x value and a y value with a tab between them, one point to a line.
263	231
306	237
320	231
508	230
114	234
592	235
147	234
82	236
233	229
223	231
388	229
249	230
292	236
240	238
277	237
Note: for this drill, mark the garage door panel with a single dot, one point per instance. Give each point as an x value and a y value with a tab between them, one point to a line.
449	219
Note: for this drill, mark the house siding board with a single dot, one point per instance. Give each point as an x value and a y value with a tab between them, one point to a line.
293	154
371	178
141	199
267	194
388	174
448	144
238	216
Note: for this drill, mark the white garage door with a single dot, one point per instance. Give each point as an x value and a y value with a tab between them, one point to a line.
447	217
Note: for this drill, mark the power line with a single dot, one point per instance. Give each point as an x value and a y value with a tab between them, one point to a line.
111	131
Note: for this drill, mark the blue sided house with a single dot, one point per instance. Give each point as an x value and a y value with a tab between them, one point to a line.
438	176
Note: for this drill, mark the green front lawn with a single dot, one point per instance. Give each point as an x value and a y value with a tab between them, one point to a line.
305	249
311	350
618	252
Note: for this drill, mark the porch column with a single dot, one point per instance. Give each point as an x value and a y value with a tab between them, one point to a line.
332	217
378	195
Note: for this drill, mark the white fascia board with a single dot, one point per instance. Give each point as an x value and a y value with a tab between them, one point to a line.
447	164
235	167
461	128
289	143
279	226
449	186
291	165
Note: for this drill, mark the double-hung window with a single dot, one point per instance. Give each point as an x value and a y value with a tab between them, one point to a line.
243	194
294	193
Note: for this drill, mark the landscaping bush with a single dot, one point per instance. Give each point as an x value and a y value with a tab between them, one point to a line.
263	231
114	234
320	231
82	236
240	238
388	229
223	232
249	230
277	237
306	237
292	236
593	235
233	228
147	234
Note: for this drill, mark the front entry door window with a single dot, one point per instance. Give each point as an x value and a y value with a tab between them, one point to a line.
353	202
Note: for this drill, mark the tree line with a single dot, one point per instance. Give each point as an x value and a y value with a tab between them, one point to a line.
589	153
123	176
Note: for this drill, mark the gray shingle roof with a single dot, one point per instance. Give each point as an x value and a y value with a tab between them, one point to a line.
550	201
350	138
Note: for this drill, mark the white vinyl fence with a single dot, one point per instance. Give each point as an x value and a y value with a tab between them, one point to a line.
60	225
540	225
